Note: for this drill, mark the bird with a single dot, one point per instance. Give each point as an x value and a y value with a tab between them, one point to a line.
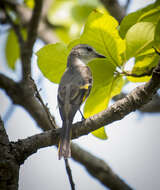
74	87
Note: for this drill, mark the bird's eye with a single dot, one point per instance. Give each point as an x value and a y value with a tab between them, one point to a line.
89	49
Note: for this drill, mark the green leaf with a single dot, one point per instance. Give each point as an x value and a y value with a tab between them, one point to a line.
144	64
52	60
81	12
100	133
102	72
105	86
29	3
149	14
12	48
101	32
139	38
157	32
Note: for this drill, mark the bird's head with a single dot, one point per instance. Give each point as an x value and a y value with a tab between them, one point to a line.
85	53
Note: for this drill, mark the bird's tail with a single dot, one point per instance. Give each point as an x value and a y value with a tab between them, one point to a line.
64	143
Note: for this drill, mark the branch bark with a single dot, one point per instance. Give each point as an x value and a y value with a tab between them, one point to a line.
9	168
26	50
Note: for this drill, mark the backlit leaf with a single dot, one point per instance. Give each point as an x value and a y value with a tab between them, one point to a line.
139	38
52	61
101	32
143	65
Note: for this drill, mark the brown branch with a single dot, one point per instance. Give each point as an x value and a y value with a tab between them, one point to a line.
26	50
95	166
9	169
151	107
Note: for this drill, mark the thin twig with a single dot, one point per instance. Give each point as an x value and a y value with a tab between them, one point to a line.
128	73
38	96
69	173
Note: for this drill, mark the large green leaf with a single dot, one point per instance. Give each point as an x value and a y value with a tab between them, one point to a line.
157	37
12	48
148	14
151	15
105	86
139	38
103	73
101	32
143	65
52	60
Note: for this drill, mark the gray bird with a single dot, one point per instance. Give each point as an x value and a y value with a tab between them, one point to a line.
74	88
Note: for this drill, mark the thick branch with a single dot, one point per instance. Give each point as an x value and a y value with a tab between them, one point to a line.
151	107
9	169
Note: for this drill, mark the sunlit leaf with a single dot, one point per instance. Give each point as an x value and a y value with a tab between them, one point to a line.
157	37
101	32
151	15
147	14
105	86
103	73
52	60
144	65
12	48
29	3
139	38
100	133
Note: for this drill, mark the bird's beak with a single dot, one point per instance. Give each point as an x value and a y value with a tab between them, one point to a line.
100	56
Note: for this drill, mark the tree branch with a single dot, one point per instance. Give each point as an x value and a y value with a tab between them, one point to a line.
151	107
9	169
26	51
